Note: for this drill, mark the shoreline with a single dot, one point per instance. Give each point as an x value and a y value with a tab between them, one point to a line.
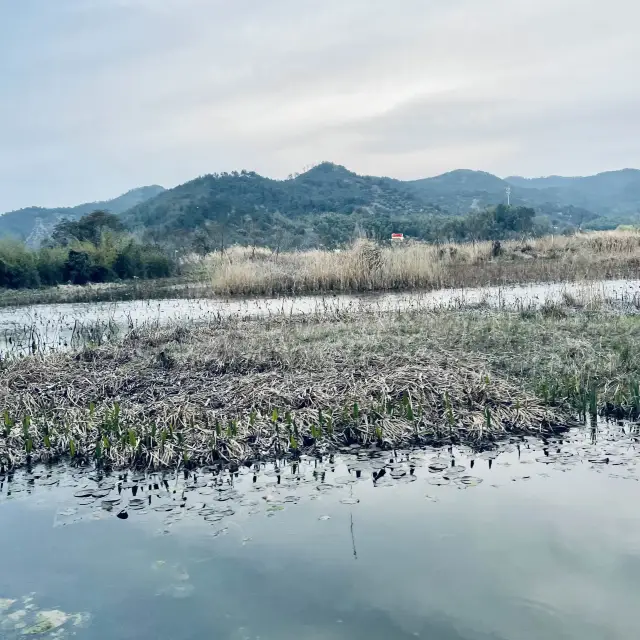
242	273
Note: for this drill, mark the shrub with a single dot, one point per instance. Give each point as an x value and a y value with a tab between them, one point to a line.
78	267
18	266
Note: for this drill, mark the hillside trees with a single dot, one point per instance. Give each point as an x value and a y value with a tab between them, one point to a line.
94	248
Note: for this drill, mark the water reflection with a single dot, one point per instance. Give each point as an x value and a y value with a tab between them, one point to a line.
215	493
54	326
536	539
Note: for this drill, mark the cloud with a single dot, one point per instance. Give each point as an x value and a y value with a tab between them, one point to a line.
102	95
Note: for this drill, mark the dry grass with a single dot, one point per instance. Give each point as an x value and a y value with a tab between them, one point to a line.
238	389
243	271
238	392
368	267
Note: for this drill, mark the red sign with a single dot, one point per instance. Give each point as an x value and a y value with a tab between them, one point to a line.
397	236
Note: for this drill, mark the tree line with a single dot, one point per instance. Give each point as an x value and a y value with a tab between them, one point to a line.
95	248
334	230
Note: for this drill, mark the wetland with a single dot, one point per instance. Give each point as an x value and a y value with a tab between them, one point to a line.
450	465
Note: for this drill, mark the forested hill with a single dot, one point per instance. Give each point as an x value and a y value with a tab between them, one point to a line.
34	224
612	193
325	204
307	210
226	198
328	204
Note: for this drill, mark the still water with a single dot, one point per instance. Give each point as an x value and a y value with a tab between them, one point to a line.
536	540
52	326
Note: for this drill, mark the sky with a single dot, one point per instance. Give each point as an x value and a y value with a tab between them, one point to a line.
101	96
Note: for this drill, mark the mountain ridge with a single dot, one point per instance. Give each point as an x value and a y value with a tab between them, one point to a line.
309	207
33	224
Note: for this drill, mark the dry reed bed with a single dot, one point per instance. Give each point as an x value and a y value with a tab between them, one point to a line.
243	271
235	393
368	267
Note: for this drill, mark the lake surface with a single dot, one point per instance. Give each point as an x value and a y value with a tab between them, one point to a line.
56	325
536	540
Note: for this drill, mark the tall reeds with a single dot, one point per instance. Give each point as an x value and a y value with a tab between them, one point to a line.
365	266
368	267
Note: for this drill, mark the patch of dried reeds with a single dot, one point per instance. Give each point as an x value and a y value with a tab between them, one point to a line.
239	392
369	267
254	271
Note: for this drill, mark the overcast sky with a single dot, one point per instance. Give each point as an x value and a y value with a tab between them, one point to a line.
99	96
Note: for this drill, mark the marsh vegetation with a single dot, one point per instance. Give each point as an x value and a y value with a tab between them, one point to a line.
364	267
236	390
367	266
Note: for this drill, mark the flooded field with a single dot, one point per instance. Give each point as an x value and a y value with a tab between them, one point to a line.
44	327
538	539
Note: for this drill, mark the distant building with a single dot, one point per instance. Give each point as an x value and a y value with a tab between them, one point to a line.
397	237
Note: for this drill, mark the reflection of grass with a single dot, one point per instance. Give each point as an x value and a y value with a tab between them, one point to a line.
128	290
239	390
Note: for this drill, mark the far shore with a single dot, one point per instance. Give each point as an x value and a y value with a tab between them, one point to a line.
365	267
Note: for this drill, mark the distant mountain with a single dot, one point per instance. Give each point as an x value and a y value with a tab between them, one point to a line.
460	181
611	193
460	191
547	182
33	224
329	204
330	201
608	180
605	195
246	206
325	188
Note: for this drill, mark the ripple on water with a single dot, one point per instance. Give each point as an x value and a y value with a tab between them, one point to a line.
439	482
469	481
436	466
346	480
